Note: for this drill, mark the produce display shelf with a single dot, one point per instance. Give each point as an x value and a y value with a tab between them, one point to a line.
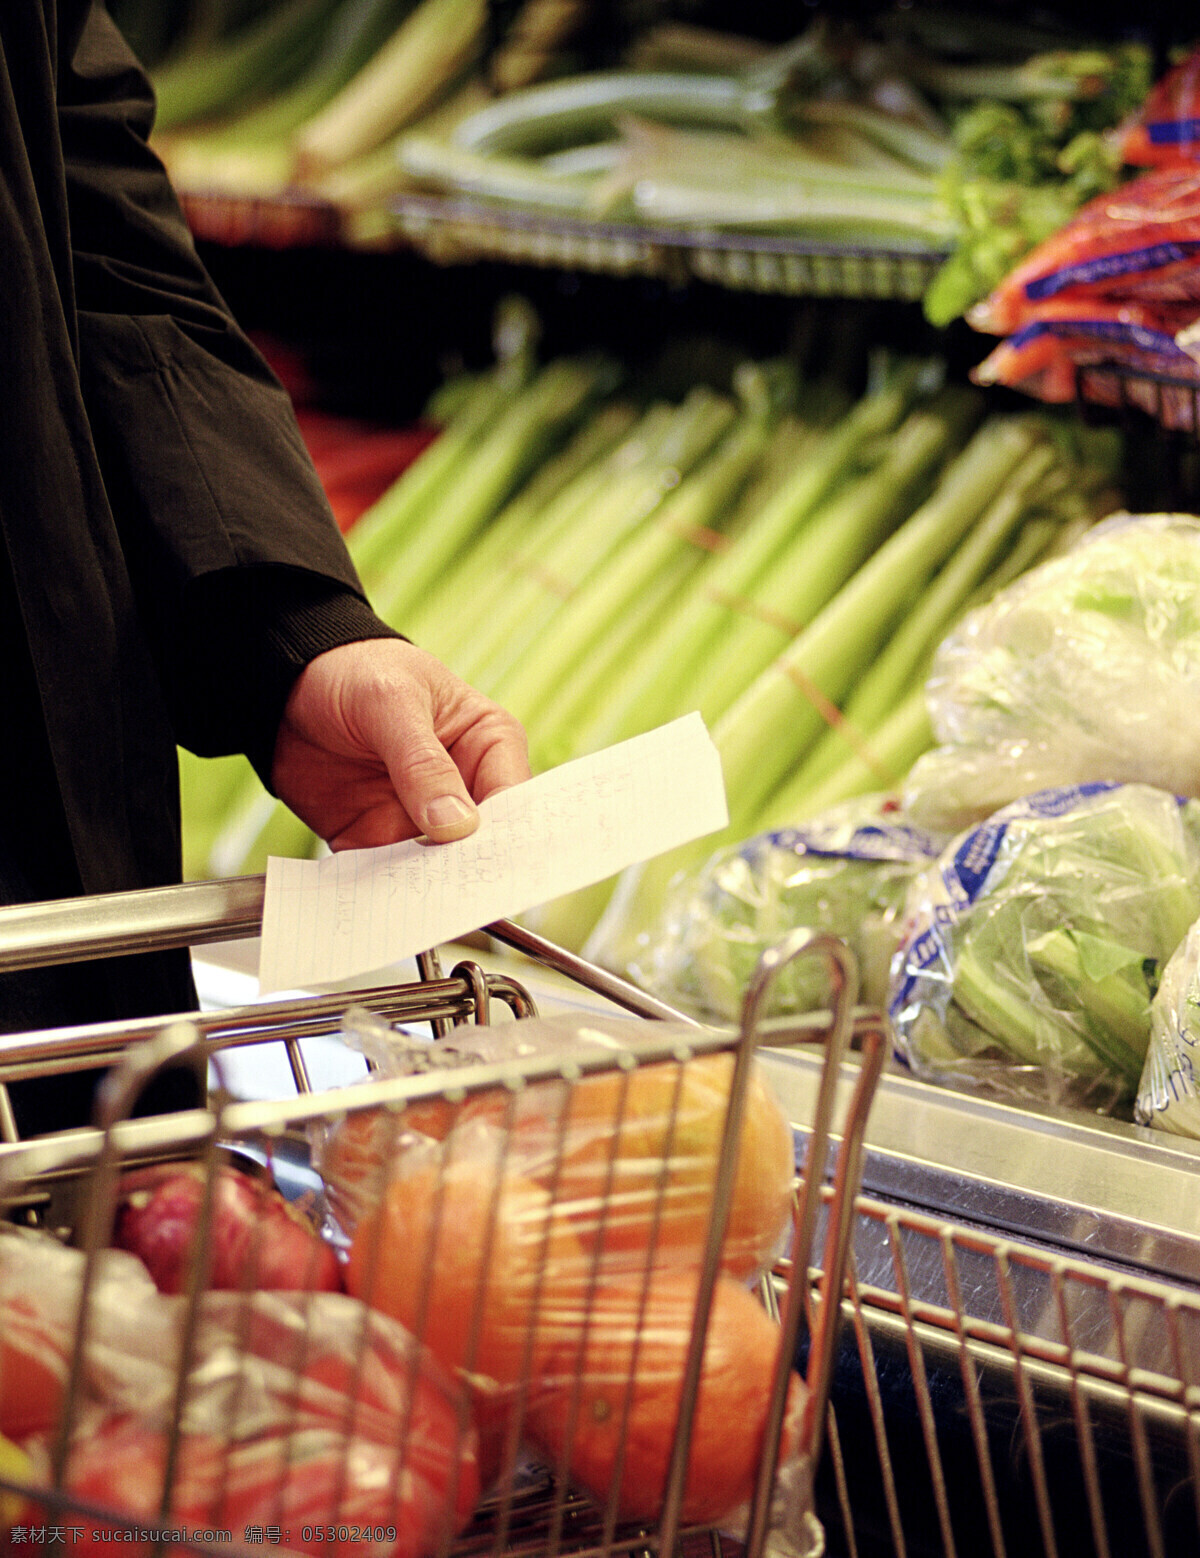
1174	403
1019	1365
453	230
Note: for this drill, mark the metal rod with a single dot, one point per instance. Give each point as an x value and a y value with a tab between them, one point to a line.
592	977
157	919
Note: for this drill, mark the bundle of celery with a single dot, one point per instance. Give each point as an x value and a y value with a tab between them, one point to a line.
905	136
601	557
308	87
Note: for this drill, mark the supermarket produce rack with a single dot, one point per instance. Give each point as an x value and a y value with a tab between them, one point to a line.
66	1183
1019	1370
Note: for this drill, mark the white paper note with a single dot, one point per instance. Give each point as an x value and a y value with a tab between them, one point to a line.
363	909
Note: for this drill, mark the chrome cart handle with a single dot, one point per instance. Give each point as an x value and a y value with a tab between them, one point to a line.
156	919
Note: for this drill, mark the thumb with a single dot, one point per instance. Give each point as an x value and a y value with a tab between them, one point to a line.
431	789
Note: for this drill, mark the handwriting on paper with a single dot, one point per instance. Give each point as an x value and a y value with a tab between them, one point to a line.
351	913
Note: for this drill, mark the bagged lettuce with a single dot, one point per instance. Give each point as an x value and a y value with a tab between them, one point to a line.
1086	668
1169	1094
1033	949
846	872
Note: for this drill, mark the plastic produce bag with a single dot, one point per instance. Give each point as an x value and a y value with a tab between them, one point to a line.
545	1242
845	872
628	1157
1033	948
1086	668
307	1408
1169	1094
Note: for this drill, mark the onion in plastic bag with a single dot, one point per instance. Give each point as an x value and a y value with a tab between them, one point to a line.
1169	1094
1033	949
1085	668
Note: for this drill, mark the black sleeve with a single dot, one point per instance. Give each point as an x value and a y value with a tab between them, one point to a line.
240	571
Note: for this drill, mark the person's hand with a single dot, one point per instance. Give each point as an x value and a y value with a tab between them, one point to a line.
380	741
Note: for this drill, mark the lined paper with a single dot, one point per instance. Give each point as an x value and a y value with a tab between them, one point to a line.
363	909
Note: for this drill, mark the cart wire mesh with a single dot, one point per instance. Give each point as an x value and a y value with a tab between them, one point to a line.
218	1423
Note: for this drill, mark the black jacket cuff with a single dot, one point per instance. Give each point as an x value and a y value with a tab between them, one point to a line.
248	633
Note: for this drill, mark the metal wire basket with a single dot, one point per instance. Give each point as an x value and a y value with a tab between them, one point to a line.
194	1377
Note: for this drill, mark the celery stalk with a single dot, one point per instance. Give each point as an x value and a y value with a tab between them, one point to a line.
551	727
1115	1005
259	58
432	46
699	422
773	724
826	554
439	622
911	646
522	437
653	688
697	505
895	744
501	609
382	530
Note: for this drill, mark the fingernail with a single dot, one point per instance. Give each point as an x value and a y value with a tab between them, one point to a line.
447	811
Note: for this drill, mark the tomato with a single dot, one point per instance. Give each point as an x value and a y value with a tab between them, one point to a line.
258	1240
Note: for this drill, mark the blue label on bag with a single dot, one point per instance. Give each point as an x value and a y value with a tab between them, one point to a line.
1156	257
866	841
1173	132
1113	330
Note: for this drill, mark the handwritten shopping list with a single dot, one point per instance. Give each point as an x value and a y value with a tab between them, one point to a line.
363	909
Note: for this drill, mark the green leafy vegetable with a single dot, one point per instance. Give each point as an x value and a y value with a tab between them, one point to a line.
1033	949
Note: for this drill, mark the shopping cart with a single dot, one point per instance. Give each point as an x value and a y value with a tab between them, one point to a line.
66	1185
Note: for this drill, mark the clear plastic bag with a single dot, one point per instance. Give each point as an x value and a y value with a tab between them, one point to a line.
1169	1092
1086	668
547	1245
845	872
1033	949
629	1155
309	1408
